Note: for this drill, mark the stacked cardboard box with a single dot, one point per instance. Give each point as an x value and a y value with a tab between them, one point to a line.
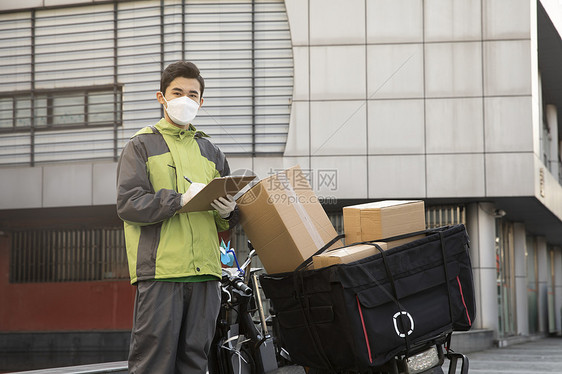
375	221
383	219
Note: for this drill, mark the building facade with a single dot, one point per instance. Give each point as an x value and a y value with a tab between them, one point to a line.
454	103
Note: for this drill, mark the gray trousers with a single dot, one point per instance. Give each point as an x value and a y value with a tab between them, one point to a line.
174	324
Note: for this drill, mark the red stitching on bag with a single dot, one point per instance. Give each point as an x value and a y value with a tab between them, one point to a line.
462	297
364	329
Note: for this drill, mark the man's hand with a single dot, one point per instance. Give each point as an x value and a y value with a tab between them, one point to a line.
191	191
224	205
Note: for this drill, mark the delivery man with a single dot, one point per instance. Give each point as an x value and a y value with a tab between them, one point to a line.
174	258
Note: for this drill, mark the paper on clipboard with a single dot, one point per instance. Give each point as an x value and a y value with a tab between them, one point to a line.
218	187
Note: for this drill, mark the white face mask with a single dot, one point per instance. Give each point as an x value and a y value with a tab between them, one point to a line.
181	110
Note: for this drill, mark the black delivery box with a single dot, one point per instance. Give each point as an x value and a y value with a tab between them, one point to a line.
359	315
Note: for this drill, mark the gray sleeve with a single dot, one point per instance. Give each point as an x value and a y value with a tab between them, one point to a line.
136	200
223	167
212	153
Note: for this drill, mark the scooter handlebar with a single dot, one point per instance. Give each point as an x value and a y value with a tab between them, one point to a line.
239	284
236	283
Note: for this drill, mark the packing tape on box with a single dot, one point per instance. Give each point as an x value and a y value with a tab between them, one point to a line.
303	215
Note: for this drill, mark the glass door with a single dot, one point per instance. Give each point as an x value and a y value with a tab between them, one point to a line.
550	291
532	284
505	270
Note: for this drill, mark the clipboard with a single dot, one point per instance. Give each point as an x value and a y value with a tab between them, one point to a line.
218	187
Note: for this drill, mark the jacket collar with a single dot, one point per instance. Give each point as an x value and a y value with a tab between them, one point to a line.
167	128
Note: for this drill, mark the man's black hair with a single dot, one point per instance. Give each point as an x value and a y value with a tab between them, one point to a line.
183	69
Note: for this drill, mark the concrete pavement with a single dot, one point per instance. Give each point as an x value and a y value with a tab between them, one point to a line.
535	357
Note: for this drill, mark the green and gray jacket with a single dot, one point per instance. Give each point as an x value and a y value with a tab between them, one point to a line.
163	244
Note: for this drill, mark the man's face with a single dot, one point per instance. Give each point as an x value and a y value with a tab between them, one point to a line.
179	87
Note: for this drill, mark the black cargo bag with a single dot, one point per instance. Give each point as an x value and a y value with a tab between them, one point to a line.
359	315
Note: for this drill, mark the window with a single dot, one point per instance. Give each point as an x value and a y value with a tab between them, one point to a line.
438	216
6	112
62	108
68	255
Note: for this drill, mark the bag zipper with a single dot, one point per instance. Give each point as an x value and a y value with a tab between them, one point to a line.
364	329
463	302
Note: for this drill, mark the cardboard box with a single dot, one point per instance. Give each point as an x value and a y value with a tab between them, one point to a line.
284	221
346	255
383	219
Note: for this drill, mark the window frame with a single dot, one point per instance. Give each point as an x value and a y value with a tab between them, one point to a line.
51	94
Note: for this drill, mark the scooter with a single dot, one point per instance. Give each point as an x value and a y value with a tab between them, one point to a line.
242	343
